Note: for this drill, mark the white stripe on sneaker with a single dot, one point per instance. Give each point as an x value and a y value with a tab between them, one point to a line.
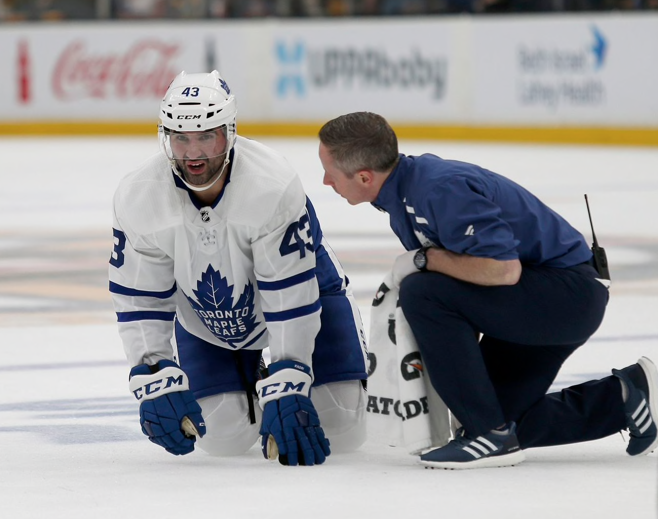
488	443
646	426
473	453
481	444
643	405
479	447
644	422
642	417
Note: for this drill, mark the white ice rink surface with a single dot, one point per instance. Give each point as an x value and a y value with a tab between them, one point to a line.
70	445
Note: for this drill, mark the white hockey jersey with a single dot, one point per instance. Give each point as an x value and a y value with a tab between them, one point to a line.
239	274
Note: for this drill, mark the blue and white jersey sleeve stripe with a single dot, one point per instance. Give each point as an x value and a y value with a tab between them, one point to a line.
289	290
142	287
284	264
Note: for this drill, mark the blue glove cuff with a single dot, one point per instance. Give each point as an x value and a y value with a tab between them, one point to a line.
149	382
287	378
288	364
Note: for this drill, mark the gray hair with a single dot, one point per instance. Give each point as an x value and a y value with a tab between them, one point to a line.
360	140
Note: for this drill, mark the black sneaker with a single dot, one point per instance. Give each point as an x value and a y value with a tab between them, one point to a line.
641	406
494	449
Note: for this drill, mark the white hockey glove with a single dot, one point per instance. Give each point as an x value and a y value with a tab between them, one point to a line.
291	426
403	266
168	412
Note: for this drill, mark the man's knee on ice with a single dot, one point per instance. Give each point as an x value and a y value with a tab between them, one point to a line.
342	410
229	431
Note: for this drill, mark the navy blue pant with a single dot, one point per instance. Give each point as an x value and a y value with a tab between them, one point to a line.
338	354
527	331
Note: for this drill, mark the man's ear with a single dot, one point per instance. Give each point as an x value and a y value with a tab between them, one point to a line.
365	177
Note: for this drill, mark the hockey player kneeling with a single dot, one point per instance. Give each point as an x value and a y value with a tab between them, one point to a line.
218	255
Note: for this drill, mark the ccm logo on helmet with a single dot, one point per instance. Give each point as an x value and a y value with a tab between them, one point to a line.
188	117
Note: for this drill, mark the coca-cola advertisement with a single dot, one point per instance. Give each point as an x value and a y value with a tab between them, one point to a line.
143	70
96	73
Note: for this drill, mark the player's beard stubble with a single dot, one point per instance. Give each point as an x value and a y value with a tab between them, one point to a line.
200	172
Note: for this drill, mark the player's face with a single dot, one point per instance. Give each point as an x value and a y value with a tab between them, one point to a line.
199	155
351	189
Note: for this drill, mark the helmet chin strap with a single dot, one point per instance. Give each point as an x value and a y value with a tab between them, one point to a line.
205	187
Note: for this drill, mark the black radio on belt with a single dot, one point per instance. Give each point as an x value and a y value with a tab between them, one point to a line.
600	259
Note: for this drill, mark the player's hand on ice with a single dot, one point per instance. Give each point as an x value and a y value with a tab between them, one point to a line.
403	266
168	412
290	427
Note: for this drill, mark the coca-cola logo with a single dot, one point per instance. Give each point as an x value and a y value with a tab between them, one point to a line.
142	71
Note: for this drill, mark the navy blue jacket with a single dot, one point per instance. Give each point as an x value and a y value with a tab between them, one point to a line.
467	209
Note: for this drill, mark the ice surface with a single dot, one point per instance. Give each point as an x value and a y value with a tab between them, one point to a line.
69	437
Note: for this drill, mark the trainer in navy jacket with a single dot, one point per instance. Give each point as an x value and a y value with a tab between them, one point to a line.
498	290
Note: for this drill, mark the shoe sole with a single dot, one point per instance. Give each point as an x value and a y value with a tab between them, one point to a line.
505	460
651	372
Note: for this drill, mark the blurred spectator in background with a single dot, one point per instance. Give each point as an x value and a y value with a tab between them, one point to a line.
339	8
369	8
48	10
140	9
192	9
398	7
17	10
53	10
253	8
6	11
218	8
298	8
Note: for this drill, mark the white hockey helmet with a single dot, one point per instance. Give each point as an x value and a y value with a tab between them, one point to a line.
197	102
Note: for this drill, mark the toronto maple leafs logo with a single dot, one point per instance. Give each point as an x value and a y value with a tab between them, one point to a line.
232	323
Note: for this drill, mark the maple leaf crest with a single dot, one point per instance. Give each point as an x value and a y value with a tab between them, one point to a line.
232	323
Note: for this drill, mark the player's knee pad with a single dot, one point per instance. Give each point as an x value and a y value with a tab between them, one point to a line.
342	410
228	429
